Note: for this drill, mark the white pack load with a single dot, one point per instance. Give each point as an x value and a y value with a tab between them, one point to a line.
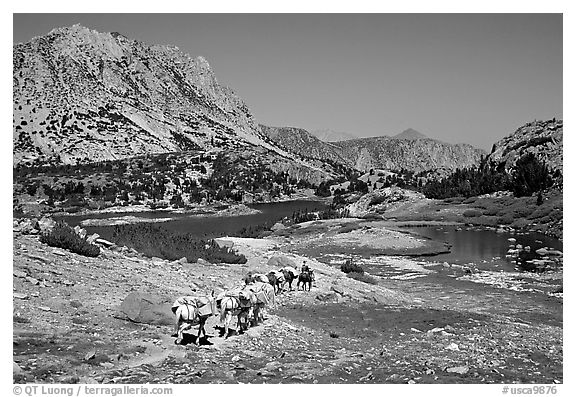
264	292
260	277
279	276
203	304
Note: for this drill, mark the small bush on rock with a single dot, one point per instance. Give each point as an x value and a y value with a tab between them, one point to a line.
365	278
350	267
63	236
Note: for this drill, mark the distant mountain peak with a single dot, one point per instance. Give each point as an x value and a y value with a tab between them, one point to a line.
410	134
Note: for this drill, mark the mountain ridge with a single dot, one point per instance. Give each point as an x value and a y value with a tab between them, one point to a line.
413	154
416	154
81	95
328	135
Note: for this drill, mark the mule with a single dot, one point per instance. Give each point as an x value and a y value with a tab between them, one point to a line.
265	296
273	281
191	311
289	276
231	306
306	277
280	280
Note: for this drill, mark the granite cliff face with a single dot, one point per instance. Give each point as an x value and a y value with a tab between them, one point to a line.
411	154
410	150
543	138
327	135
303	143
81	95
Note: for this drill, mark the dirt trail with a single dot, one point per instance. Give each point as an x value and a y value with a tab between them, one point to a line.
67	327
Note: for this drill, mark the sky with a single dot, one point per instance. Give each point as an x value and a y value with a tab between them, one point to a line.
459	78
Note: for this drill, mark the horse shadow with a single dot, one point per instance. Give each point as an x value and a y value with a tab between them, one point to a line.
231	331
191	339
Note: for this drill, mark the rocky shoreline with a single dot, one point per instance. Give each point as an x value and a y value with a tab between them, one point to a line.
436	328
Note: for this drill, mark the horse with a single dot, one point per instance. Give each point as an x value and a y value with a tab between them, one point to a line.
190	311
280	280
306	277
231	303
265	296
289	275
273	281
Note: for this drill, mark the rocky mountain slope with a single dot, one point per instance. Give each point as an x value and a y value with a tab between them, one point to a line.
81	95
302	142
412	154
328	135
543	138
410	150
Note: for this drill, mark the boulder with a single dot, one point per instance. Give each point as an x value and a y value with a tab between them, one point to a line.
338	289
46	224
281	261
278	226
458	370
224	243
79	231
25	226
92	238
104	243
327	297
555	253
453	346
146	308
16	368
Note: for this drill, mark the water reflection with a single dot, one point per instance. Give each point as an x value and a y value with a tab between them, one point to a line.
208	227
479	245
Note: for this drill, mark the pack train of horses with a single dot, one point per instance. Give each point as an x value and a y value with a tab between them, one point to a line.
247	304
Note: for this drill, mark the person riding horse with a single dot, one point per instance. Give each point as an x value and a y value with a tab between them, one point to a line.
306	277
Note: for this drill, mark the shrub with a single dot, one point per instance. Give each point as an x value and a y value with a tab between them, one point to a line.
365	278
350	267
471	213
152	240
530	176
505	219
348	228
255	231
63	236
377	200
491	211
323	190
454	200
523	211
541	212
